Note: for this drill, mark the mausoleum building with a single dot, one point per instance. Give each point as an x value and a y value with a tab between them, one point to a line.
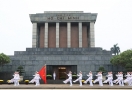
64	41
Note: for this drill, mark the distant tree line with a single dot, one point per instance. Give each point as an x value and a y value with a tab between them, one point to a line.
4	59
123	59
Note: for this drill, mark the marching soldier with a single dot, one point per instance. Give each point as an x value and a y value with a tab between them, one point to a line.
69	78
130	79
120	79
36	79
99	79
90	77
121	83
79	78
127	80
110	78
16	78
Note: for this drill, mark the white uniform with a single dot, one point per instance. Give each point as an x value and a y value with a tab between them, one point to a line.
119	79
16	79
130	79
99	79
110	78
54	75
69	79
127	80
79	79
90	77
121	83
36	79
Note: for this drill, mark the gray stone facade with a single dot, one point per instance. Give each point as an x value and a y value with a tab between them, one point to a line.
86	59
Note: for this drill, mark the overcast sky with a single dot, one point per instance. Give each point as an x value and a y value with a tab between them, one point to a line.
113	24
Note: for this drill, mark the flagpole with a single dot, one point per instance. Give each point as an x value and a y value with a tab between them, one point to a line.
45	74
46	69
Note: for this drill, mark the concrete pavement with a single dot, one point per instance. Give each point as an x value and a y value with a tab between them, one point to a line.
66	89
63	86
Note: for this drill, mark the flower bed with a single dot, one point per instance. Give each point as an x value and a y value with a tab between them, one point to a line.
9	81
26	82
1	81
83	81
49	76
74	76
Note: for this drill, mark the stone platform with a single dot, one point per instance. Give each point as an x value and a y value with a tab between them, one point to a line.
63	86
85	59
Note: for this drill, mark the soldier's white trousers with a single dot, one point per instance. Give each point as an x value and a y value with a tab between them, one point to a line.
32	81
116	81
127	81
120	81
80	81
100	82
110	82
130	81
90	81
68	80
37	82
54	77
16	82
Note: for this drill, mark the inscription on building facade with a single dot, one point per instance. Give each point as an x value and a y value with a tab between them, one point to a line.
63	17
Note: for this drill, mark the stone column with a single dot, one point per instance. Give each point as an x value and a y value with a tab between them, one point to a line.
34	35
80	34
57	35
68	34
92	38
46	36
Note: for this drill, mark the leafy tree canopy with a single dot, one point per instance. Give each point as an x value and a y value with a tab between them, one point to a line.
102	69
4	59
124	59
115	49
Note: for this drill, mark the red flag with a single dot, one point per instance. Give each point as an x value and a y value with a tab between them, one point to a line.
42	74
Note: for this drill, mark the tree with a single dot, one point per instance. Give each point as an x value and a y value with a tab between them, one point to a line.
124	59
20	70
115	49
101	69
4	59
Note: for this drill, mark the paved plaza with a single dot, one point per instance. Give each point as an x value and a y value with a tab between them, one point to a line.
63	87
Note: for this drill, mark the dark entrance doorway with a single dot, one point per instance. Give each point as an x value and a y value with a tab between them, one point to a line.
61	70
